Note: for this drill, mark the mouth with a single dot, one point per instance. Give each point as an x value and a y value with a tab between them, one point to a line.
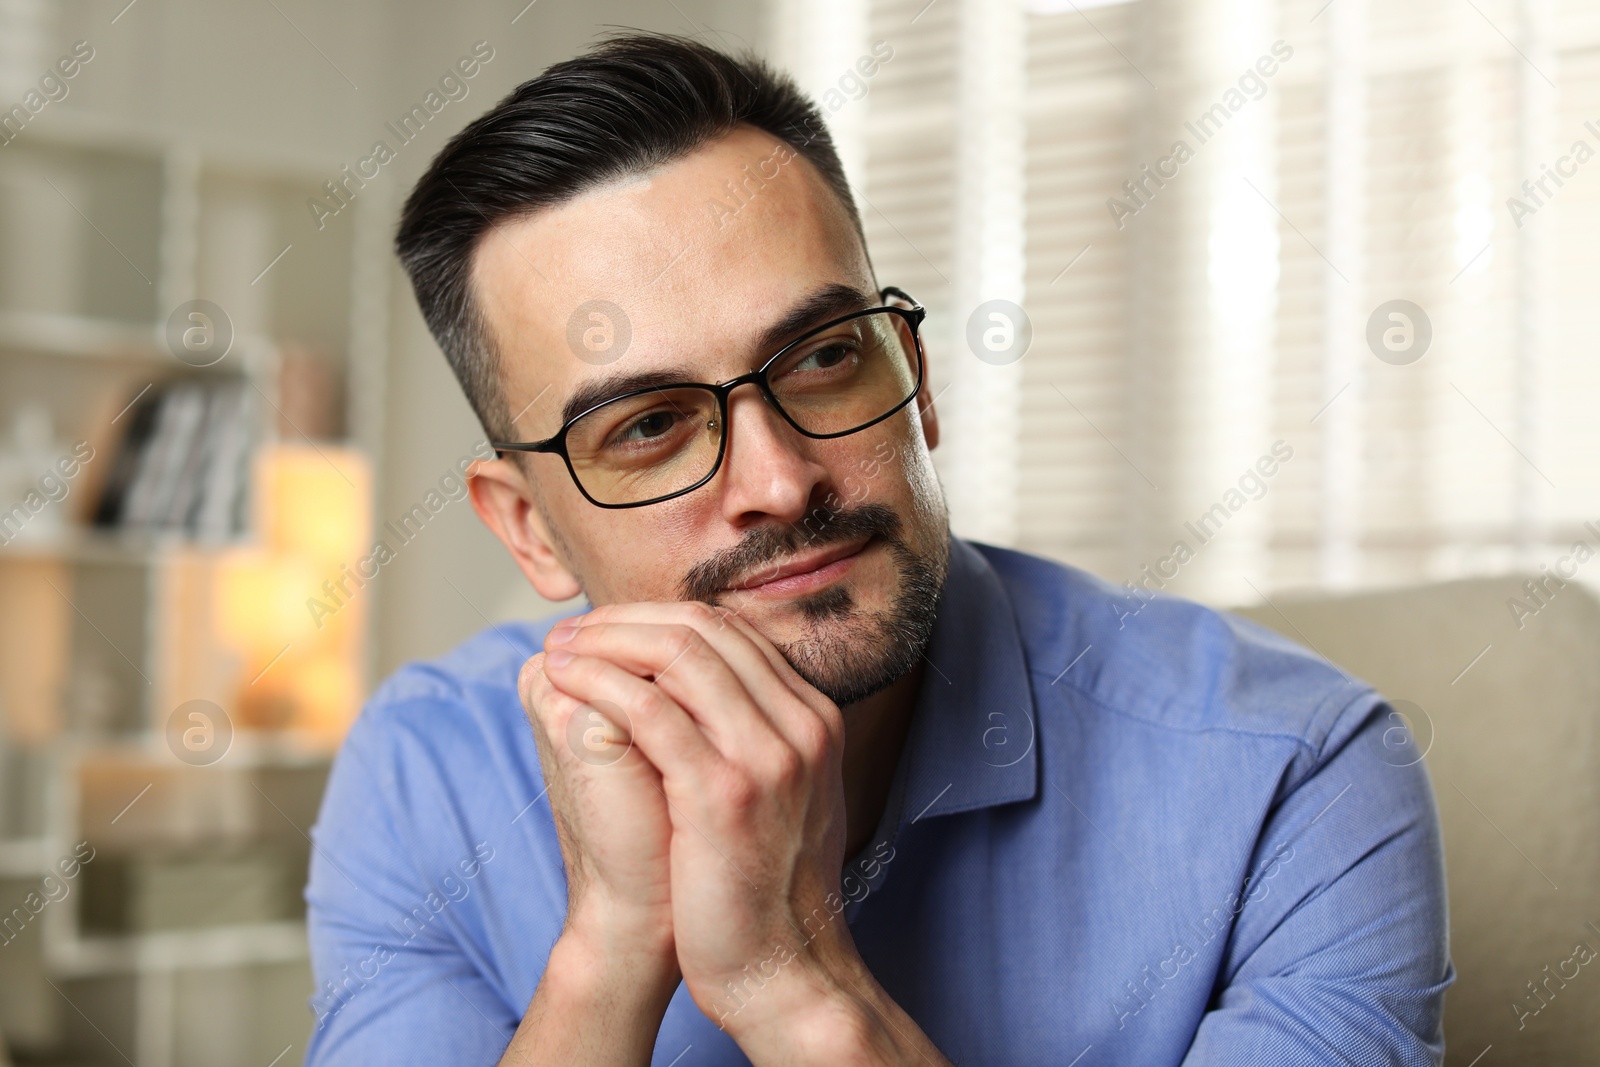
805	573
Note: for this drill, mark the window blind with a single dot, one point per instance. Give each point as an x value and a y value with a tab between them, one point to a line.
1385	159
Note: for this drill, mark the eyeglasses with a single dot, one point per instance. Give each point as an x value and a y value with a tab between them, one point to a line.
654	444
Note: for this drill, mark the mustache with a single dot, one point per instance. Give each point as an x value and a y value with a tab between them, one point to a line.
767	544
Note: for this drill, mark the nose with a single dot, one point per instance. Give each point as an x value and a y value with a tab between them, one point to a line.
768	471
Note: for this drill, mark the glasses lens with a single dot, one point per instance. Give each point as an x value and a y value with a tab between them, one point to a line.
848	375
641	447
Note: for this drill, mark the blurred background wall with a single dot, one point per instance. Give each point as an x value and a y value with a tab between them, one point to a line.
1228	298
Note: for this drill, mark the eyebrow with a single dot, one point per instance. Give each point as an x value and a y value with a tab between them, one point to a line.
827	302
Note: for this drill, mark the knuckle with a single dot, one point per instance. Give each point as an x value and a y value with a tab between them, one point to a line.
652	707
787	766
815	738
686	640
737	792
729	617
532	685
531	674
699	611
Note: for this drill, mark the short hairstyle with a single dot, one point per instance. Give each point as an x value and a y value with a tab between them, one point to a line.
630	104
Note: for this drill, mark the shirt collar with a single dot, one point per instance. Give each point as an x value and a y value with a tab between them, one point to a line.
972	741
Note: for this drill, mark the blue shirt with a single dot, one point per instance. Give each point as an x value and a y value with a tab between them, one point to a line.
1113	837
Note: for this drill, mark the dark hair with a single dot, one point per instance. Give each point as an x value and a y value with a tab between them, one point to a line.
630	104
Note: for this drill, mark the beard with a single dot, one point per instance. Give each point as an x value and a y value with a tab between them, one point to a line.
847	653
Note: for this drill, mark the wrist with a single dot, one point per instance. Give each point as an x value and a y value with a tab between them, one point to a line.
593	1002
814	1010
598	921
840	1028
634	959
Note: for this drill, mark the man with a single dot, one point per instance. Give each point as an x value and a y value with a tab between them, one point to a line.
814	782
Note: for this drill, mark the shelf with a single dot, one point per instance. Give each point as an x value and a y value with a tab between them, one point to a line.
78	335
90	545
220	946
249	751
86	337
27	857
86	132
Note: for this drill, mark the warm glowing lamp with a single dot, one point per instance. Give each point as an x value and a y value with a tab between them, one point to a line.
300	667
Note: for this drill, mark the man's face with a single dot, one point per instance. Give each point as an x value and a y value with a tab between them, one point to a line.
703	260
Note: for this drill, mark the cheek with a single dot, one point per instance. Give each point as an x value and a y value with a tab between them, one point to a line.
912	467
896	467
643	554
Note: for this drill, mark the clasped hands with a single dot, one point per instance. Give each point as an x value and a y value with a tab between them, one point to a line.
704	849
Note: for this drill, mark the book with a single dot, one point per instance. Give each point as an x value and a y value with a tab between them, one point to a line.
183	465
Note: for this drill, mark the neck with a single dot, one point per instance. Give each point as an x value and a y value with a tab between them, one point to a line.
875	732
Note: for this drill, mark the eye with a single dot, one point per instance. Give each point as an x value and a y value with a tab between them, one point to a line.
650	425
825	358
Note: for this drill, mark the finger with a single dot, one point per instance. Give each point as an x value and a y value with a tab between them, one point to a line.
576	737
592	785
814	700
538	701
532	685
776	687
709	619
727	617
661	729
791	704
692	672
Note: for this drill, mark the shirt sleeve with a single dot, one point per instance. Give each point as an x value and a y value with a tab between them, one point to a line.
1340	950
394	983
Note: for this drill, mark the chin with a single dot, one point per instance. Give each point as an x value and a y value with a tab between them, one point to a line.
850	649
861	631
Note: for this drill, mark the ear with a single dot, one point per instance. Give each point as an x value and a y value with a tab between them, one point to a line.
503	499
930	417
925	409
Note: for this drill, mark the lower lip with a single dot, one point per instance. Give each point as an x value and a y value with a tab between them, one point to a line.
808	581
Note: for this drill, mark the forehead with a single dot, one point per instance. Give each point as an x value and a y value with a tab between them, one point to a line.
682	268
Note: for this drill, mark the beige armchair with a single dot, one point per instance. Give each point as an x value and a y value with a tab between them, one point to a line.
1509	700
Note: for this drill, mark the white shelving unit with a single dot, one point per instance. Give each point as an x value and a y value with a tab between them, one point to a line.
102	235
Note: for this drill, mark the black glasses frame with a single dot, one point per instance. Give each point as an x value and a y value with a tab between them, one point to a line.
556	444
